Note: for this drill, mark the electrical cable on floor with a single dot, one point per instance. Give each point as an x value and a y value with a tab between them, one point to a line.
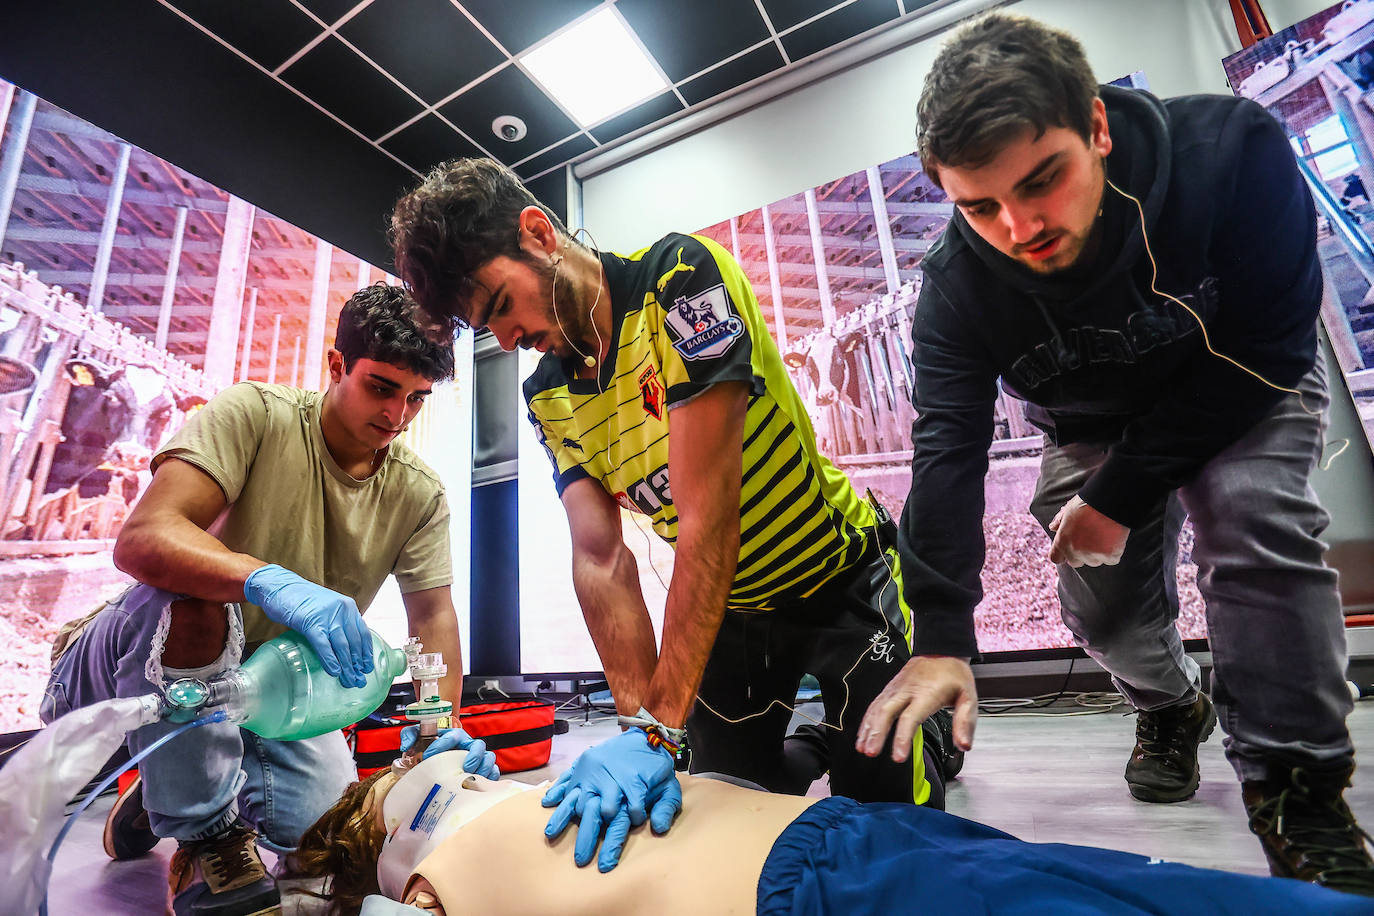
1088	703
10	750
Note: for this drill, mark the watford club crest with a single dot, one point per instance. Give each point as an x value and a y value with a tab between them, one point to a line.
652	393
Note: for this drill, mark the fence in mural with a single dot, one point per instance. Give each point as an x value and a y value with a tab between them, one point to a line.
83	401
857	382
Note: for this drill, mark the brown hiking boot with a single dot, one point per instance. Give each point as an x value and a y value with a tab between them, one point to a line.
127	832
1163	766
1308	831
221	876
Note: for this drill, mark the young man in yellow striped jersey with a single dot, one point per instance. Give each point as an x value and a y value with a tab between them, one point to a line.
662	392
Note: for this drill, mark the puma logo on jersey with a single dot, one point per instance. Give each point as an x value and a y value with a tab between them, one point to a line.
571	443
676	268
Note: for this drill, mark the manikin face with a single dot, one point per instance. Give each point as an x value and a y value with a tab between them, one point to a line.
375	401
515	299
1037	200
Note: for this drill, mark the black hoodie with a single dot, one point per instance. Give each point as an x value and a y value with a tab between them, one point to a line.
1099	356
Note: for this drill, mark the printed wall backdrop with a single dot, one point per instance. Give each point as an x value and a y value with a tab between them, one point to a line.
1316	78
836	271
130	293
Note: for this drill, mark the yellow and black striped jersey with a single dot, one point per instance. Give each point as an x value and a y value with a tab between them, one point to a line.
685	317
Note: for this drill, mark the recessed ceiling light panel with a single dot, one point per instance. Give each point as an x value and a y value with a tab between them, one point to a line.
595	68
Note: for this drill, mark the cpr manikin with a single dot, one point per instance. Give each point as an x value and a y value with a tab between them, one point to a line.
419	812
734	850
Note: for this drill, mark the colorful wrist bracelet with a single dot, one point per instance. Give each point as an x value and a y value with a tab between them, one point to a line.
671	738
658	740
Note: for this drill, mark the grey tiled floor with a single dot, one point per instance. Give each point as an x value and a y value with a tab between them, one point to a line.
1044	780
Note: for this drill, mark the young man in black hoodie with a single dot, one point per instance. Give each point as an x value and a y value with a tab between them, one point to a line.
1144	273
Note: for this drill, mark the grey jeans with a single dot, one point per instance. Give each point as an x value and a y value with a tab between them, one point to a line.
1274	619
194	785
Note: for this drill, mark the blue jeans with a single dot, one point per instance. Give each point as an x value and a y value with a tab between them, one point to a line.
195	785
1274	619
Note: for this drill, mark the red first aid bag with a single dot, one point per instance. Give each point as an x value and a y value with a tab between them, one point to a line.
519	730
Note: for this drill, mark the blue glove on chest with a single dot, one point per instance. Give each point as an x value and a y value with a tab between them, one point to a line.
329	621
616	784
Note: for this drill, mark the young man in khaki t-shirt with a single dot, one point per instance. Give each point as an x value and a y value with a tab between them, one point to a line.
273	508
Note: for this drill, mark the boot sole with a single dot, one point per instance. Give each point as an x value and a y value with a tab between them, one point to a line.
110	841
1164	796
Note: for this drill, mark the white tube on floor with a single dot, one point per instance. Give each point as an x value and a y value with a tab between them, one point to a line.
42	776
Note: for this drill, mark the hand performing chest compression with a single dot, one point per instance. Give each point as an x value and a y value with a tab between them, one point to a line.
614	786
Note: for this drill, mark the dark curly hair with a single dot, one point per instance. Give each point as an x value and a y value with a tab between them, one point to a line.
462	214
384	323
998	76
342	847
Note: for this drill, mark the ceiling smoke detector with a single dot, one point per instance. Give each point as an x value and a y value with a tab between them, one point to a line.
509	128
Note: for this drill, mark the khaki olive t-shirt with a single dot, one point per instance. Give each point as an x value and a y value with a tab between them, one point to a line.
291	504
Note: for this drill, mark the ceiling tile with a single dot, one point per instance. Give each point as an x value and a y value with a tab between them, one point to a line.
268	31
428	142
331	11
787	13
551	190
736	73
688	44
517	24
556	156
838	26
426	44
509	92
645	113
347	86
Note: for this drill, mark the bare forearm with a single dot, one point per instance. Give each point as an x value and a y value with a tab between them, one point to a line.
172	553
439	633
618	620
703	571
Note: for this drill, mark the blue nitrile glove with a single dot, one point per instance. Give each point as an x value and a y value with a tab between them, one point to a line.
664	805
616	784
479	760
328	620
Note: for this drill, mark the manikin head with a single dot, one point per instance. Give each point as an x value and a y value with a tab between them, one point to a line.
1010	125
346	842
384	363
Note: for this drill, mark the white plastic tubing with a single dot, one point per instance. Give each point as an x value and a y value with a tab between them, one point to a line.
41	777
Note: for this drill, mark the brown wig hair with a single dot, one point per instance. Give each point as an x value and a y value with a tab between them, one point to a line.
997	77
342	846
463	213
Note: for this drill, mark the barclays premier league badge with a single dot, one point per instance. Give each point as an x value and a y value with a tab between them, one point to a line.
704	326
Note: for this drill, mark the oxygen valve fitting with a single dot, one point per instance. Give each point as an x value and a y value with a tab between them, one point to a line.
428	710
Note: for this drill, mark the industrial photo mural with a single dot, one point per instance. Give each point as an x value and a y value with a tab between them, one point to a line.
1317	79
836	271
130	293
